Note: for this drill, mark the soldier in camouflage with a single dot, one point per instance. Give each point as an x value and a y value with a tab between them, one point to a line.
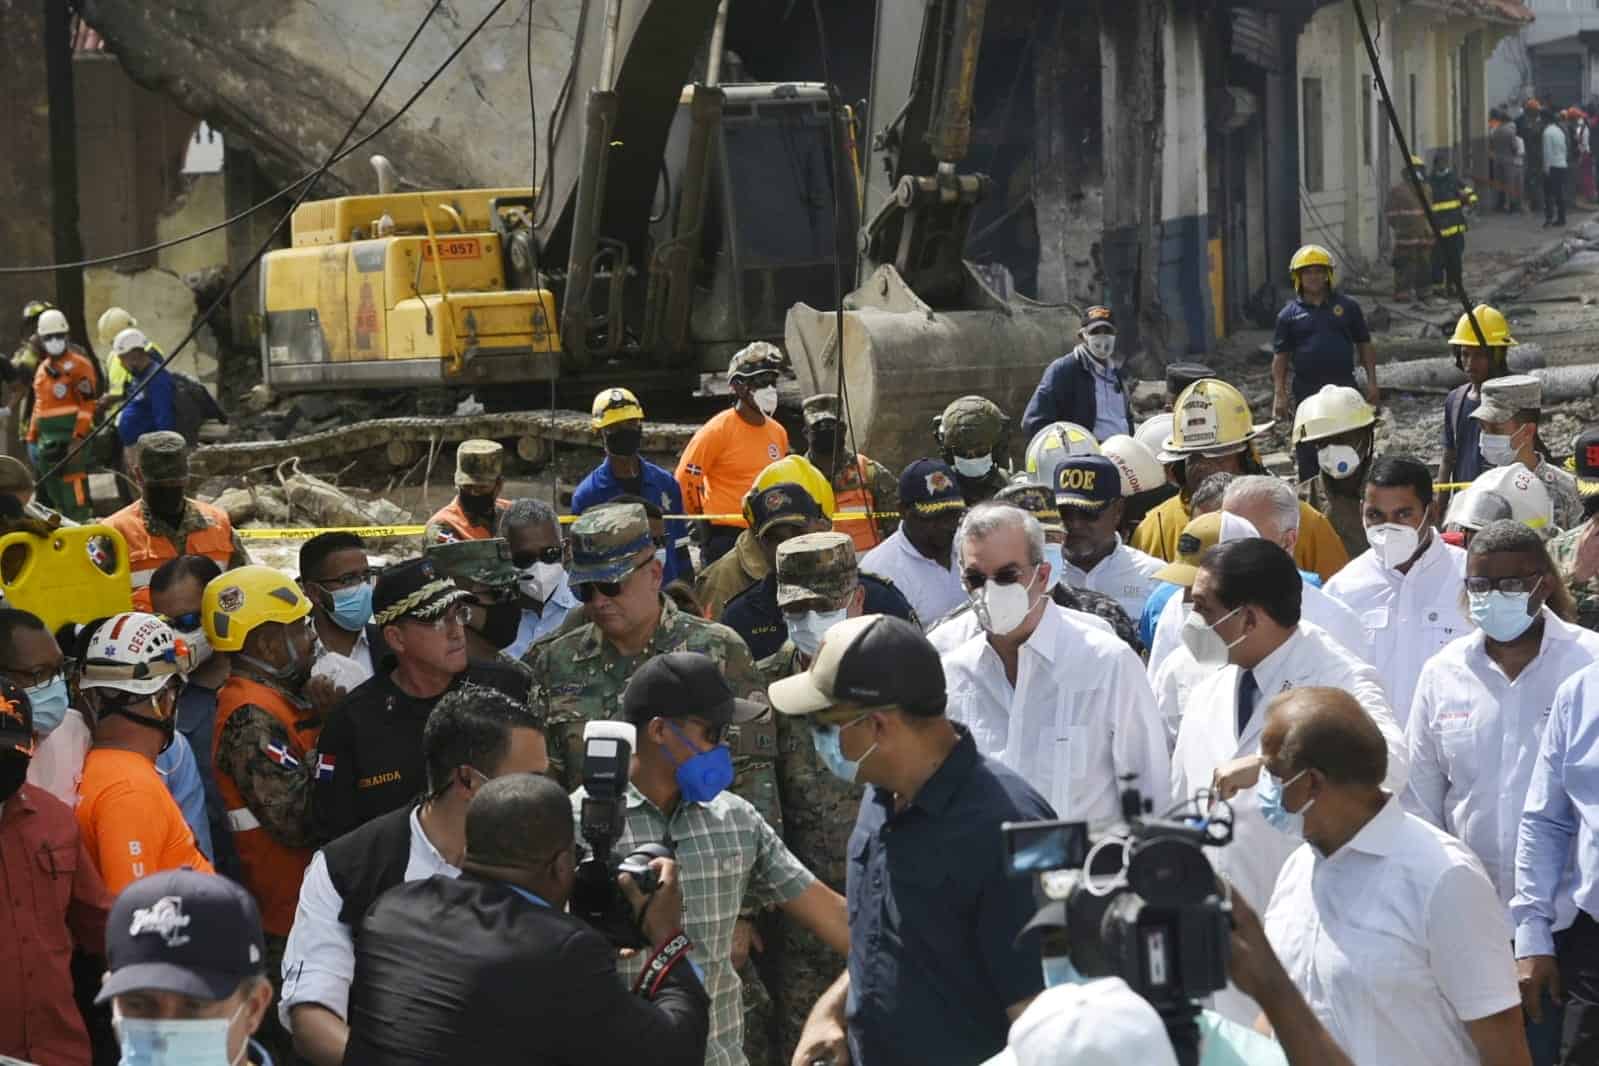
484	569
475	512
960	625
1576	551
818	585
972	432
862	485
579	677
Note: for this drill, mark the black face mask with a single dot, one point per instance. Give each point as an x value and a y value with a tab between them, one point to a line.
624	442
479	507
824	441
165	500
13	772
502	623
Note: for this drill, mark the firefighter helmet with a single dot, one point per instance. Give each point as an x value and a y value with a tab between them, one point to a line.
1052	446
795	470
1311	255
1211	417
1333	410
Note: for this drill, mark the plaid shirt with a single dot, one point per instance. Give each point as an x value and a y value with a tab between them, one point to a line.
726	854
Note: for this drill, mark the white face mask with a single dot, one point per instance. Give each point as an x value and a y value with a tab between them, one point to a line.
1204	643
1496	449
176	1041
1101	346
974	467
55	345
1001	608
766	399
1393	543
539	581
807	628
1338	460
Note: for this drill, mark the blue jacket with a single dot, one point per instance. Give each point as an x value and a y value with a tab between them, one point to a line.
661	489
154	408
1066	394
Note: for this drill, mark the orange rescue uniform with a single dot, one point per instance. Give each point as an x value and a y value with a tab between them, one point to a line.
131	825
721	462
148	551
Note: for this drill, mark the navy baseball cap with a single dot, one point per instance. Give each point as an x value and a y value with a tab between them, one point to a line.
873	660
1087	483
182	931
928	487
785	503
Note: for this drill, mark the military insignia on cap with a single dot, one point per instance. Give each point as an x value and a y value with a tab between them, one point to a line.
164	918
231	598
938	481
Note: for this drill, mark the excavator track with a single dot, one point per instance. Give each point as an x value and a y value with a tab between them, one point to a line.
540	427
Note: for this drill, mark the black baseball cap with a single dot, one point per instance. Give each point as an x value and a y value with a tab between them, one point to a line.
413	589
785	503
683	684
182	931
870	661
1585	462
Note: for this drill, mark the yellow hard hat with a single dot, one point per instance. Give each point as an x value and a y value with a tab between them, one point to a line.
113	321
1495	329
1311	255
237	601
797	470
615	405
1210	416
1333	410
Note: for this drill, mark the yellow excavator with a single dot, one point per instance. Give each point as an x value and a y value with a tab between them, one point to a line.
674	225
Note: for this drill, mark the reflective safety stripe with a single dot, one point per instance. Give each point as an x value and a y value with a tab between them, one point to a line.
242	820
1446	205
141	578
1450	231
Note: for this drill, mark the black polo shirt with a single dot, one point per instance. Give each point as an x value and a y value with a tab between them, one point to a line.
1321	338
754	614
933	918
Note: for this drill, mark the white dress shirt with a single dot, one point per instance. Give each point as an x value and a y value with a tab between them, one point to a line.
319	958
1407	617
933	590
1208	736
1396	941
1315	606
1474	737
1079	718
956	629
1126	575
1172	683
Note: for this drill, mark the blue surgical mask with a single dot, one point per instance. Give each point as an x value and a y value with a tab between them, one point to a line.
49	703
1060	971
352	608
829	742
176	1041
808	628
1055	556
1269	794
702	777
1501	615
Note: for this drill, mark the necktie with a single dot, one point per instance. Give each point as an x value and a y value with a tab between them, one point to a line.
1248	693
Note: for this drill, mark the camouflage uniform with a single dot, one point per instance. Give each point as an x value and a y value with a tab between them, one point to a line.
819	808
1563	549
193	521
973	426
277	792
579	678
1343	510
881	486
478	464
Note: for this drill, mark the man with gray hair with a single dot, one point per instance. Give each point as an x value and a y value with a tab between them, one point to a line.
533	532
1060	702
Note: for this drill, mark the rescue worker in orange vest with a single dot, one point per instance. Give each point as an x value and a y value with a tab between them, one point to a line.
861	485
66	387
1407	220
265	735
475	512
164	523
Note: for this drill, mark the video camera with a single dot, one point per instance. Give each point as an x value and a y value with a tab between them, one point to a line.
596	898
1141	903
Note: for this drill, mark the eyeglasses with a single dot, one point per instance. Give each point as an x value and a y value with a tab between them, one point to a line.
1480	586
458	614
1007	575
524	560
40	677
347	581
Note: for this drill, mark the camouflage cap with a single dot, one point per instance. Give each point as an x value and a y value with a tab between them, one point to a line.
971	425
761	357
816	566
487	562
479	464
1036	500
163	456
823	407
606	541
14	476
1503	398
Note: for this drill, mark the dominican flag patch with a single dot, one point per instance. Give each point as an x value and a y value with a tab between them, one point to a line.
279	753
324	767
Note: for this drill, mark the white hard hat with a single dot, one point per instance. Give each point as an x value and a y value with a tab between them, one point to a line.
1333	410
1140	470
1153	433
1472	508
1530	503
1093	1023
1053	445
128	340
134	652
52	322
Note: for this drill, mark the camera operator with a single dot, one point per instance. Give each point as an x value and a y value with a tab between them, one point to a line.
680	705
487	968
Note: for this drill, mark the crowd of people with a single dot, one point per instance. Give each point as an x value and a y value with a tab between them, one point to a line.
1541	156
338	816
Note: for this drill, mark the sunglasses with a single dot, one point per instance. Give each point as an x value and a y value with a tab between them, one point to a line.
524	560
585	590
1007	575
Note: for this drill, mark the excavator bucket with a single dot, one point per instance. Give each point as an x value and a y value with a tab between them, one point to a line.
904	362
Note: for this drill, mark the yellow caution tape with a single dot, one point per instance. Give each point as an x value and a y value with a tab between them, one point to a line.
307	532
